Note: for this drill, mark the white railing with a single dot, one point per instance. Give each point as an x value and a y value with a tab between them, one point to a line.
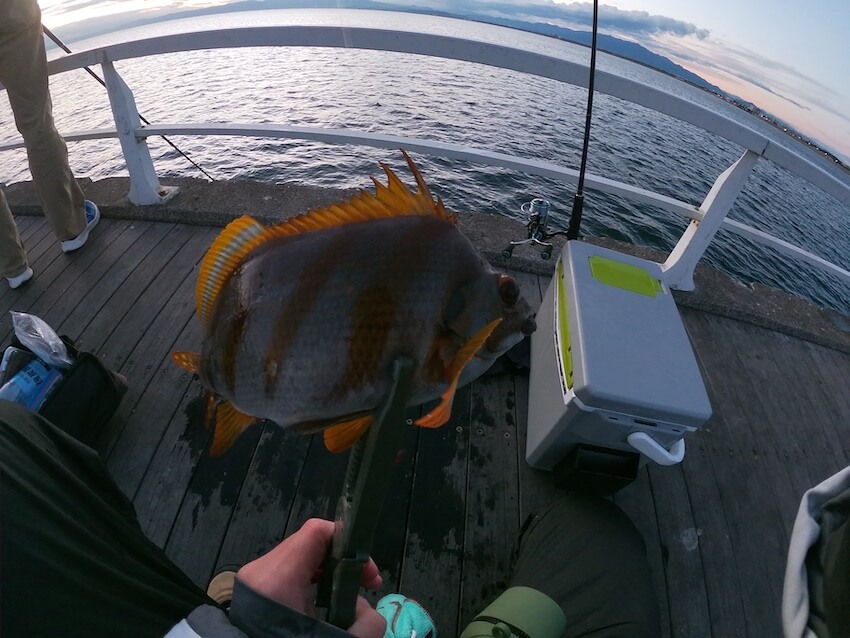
677	270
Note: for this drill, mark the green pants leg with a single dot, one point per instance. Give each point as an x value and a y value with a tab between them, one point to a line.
73	559
585	554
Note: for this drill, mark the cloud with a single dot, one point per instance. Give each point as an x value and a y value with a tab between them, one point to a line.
769	75
635	23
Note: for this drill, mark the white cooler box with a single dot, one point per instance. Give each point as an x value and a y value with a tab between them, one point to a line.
611	363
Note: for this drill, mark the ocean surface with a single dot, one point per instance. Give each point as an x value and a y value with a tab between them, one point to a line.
455	102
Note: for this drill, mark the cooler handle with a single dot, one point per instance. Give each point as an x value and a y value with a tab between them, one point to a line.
648	446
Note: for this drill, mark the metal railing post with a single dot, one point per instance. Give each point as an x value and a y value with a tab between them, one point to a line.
145	188
678	269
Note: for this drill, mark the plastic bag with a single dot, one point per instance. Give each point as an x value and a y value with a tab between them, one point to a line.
36	335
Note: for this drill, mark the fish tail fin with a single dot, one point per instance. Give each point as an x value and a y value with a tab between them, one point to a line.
230	423
189	361
443	412
223	257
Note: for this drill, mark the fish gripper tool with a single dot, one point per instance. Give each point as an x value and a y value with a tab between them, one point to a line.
367	478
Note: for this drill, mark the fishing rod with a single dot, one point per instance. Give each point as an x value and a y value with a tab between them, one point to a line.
539	209
58	42
578	200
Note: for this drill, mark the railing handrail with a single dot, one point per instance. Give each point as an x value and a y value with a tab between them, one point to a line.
677	270
461	49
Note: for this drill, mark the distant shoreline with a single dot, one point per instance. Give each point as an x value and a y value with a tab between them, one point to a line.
254	5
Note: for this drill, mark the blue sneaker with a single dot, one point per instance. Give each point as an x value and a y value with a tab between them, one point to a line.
92	217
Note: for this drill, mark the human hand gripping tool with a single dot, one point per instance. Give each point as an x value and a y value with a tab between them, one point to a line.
367	478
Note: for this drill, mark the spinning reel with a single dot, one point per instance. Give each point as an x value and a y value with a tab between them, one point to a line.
538	228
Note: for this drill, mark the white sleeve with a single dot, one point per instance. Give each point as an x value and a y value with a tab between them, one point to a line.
795	591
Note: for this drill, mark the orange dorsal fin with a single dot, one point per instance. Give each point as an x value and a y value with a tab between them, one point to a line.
340	437
189	361
441	414
223	257
393	200
230	423
245	234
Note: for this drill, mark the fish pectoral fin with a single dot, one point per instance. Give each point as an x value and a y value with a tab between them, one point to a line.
443	412
189	361
340	437
229	424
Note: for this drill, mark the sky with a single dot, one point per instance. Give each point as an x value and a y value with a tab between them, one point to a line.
789	57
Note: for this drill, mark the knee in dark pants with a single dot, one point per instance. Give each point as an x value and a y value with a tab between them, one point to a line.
585	553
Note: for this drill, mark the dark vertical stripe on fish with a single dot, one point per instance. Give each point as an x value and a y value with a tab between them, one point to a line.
231	346
376	309
292	314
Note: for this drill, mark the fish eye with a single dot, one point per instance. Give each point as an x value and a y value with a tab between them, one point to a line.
508	290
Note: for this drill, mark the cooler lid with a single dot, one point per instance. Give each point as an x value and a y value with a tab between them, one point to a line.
620	340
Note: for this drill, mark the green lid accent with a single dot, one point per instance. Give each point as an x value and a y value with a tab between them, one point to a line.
564	327
632	278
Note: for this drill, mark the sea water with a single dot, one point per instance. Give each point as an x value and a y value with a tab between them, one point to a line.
460	103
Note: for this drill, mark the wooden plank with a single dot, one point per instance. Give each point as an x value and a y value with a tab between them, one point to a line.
263	509
170	467
435	529
115	331
204	514
109	302
492	503
391	532
723	583
753	482
320	485
72	313
175	326
156	421
834	373
49	269
536	487
807	420
71	276
824	407
778	392
679	536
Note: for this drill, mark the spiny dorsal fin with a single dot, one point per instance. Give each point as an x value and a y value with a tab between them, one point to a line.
243	235
393	200
228	250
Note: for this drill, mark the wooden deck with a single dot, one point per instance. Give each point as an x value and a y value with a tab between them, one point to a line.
717	526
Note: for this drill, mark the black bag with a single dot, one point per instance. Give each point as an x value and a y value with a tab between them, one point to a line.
85	399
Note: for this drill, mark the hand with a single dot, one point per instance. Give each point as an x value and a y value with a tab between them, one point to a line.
286	574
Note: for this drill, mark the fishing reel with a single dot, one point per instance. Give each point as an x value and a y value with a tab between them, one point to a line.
537	211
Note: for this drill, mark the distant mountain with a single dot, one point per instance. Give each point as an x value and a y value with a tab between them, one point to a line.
616	46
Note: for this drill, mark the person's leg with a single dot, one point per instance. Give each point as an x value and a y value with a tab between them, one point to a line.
23	71
13	257
585	554
73	559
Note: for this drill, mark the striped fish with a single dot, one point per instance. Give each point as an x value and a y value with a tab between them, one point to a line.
302	320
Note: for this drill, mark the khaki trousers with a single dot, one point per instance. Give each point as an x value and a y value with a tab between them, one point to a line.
23	72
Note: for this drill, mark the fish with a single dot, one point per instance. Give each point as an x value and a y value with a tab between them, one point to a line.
302	320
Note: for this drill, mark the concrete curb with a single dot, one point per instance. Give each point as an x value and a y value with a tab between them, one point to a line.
216	203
